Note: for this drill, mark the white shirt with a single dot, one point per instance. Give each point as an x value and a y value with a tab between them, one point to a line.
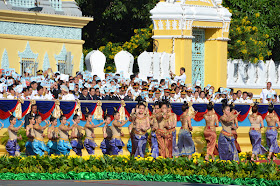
149	99
182	100
34	92
172	99
10	96
49	96
264	94
121	96
177	95
180	78
68	97
204	100
217	100
198	100
189	98
23	97
38	97
248	100
235	101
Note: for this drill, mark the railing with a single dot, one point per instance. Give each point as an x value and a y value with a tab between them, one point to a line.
29	65
56	4
242	74
23	3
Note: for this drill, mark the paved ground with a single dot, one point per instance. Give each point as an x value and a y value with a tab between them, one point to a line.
95	182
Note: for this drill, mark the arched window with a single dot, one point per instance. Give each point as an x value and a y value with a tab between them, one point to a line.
64	61
28	61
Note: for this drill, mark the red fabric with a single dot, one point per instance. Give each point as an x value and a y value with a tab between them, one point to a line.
178	116
262	115
277	115
70	113
244	116
199	116
126	112
83	116
150	112
25	112
218	116
47	114
5	115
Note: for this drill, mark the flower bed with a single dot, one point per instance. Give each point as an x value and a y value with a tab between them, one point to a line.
126	168
136	177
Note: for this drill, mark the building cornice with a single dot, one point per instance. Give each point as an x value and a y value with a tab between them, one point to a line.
41	39
171	11
44	19
172	36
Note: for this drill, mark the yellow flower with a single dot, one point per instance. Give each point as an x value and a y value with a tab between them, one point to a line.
238	29
159	157
101	48
255	28
269	53
266	36
257	15
244	51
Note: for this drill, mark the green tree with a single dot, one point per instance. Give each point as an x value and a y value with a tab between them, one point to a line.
114	20
263	16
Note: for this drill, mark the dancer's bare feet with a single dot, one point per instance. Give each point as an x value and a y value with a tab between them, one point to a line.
207	157
268	158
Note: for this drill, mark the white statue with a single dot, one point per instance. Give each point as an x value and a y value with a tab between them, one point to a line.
144	63
272	76
262	73
156	65
252	74
122	61
230	73
97	62
172	63
164	65
278	72
241	75
130	69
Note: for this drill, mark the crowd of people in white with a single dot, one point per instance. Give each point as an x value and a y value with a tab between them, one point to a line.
84	86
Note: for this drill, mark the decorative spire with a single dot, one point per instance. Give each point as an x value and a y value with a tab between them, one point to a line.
5	60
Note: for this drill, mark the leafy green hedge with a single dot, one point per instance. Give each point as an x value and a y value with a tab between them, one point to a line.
136	177
146	166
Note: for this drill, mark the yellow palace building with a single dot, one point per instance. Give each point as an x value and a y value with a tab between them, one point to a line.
197	32
41	34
